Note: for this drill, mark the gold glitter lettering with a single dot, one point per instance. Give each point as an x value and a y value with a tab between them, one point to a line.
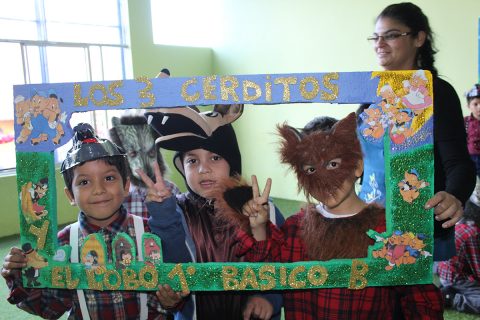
317	275
249	278
118	97
57	278
100	87
357	276
292	278
251	85
178	271
208	87
130	281
71	283
286	82
309	95
191	270
228	274
185	96
112	274
331	86
266	273
78	101
283	276
41	233
151	280
145	92
268	90
225	90
92	282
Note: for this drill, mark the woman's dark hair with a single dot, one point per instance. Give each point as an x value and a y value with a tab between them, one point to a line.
412	16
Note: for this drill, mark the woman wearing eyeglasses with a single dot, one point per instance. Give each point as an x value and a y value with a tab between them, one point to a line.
403	40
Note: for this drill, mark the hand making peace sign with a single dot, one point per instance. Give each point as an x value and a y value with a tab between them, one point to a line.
157	191
257	208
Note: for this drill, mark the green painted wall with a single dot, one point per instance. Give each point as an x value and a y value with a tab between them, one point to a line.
148	58
273	36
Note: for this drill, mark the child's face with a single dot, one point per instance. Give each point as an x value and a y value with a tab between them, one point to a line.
98	191
203	170
342	200
474	106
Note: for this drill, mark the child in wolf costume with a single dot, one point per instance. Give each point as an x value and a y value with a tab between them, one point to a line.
137	138
327	161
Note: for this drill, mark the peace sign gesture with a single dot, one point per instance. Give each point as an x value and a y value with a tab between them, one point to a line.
157	191
257	209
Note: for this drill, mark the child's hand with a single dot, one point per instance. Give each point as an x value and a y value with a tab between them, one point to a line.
257	209
157	191
258	308
13	262
168	298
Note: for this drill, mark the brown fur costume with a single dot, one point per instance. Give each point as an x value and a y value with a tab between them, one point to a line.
230	197
342	238
310	155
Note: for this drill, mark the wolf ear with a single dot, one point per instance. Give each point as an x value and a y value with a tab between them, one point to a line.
229	112
290	134
346	127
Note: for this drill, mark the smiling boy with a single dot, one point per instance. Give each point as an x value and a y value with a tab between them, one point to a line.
96	180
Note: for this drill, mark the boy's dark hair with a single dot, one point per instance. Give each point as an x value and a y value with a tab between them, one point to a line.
323	123
119	162
473	93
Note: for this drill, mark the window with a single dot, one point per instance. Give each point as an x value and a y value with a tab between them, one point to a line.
59	41
189	23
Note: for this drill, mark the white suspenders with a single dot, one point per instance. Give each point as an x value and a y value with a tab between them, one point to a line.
271	207
139	230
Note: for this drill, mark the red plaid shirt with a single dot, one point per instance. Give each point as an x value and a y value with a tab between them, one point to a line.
135	201
466	264
53	303
286	245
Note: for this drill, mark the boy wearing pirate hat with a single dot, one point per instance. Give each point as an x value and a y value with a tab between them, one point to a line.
207	155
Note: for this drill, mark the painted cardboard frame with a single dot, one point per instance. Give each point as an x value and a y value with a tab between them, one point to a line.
42	125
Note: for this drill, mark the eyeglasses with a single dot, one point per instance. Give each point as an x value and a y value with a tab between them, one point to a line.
388	36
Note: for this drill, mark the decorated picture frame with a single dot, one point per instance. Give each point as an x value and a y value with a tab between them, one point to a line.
400	117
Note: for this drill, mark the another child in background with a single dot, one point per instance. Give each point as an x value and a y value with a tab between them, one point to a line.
95	174
460	276
327	160
207	154
472	126
137	139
